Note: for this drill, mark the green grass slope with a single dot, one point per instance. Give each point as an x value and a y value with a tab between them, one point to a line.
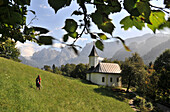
59	94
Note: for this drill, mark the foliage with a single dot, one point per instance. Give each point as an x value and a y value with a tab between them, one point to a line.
162	68
58	71
47	68
13	23
80	71
71	70
75	71
141	12
151	86
162	63
157	81
105	60
59	94
67	69
133	72
8	50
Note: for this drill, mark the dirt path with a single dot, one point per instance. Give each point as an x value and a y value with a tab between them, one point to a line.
132	106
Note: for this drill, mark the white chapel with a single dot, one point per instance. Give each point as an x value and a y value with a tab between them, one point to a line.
107	74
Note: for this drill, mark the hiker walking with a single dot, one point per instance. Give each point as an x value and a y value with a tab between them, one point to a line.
38	82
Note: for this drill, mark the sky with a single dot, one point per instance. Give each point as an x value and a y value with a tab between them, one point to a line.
47	18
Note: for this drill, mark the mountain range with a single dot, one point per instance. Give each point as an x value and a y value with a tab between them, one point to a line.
149	46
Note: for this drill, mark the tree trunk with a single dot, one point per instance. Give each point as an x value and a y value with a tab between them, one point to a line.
129	83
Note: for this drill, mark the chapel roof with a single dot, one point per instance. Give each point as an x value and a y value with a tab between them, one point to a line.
106	68
93	52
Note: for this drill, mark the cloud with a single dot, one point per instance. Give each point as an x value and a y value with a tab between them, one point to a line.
27	49
82	39
58	45
43	6
165	30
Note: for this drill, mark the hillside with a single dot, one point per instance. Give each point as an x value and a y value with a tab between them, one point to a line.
155	52
18	92
143	47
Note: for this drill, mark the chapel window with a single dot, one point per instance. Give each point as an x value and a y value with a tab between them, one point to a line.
118	79
103	79
111	79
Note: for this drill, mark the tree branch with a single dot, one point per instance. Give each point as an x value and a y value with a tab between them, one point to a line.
163	9
31	20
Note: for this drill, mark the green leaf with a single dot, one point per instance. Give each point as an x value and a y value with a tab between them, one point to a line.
111	7
157	18
144	9
77	13
129	5
18	37
99	45
129	22
97	17
46	40
32	11
102	36
107	27
27	30
73	35
22	2
65	38
134	12
58	4
138	23
16	18
70	25
93	36
68	2
103	22
167	3
41	30
81	1
116	6
164	25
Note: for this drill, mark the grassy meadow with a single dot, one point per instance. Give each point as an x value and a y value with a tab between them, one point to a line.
58	94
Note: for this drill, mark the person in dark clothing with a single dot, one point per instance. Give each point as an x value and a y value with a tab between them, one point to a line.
38	82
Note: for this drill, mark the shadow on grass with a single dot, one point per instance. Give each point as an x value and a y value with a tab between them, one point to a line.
110	92
85	81
31	85
107	91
